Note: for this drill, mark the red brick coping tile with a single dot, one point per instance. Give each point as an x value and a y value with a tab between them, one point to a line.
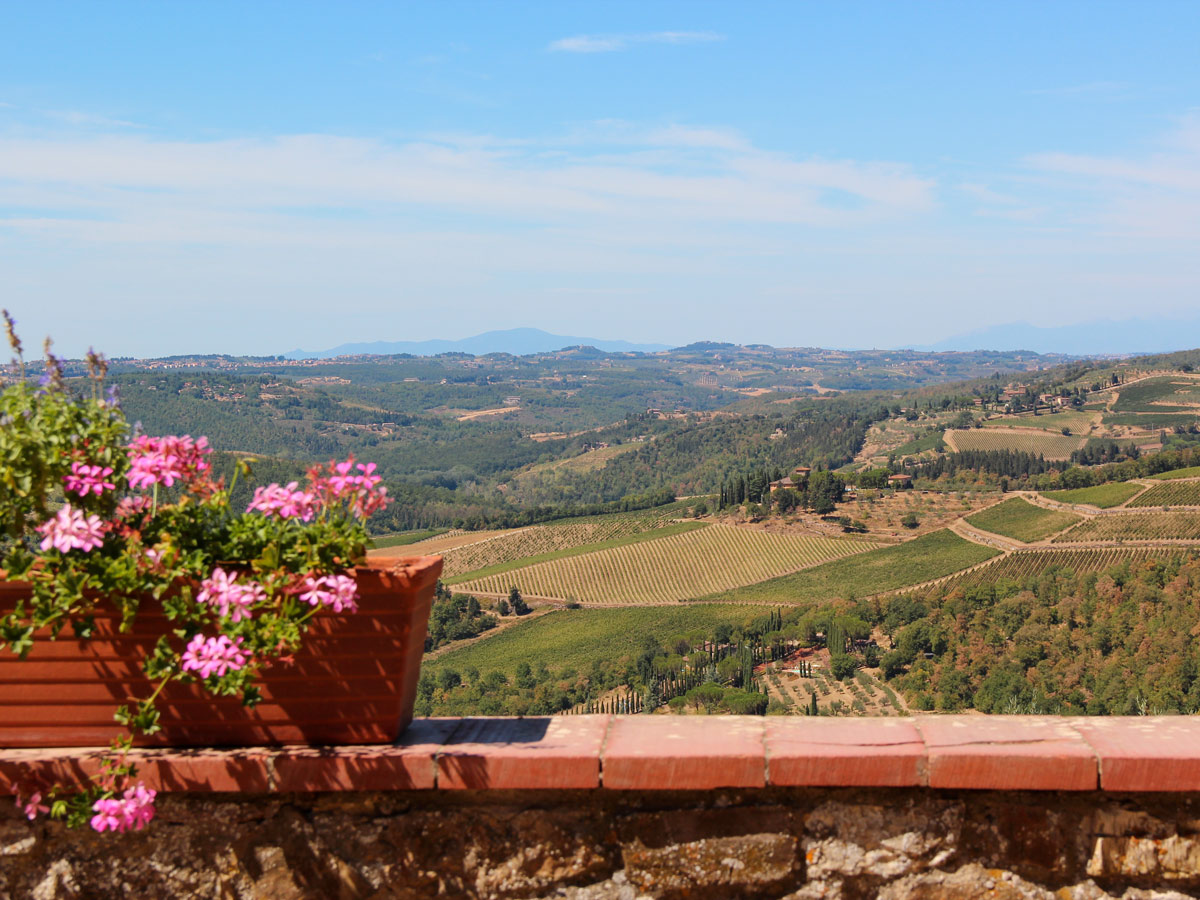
687	753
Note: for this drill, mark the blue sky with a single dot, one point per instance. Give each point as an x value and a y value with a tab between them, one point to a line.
207	177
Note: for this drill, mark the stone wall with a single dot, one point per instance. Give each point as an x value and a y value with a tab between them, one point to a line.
588	845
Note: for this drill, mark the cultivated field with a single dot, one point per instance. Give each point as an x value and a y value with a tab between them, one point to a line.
1080	422
884	514
931	441
478	549
1190	472
448	541
887	569
672	569
1023	564
1022	521
863	695
575	638
1150	423
584	462
1156	526
1166	394
1172	493
903	438
537	545
409	537
1102	496
1034	441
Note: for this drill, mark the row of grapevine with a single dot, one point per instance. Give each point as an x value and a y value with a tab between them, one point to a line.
1170	493
674	568
1047	444
1156	526
537	539
451	540
1025	564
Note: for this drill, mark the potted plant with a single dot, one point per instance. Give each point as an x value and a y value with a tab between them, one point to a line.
129	581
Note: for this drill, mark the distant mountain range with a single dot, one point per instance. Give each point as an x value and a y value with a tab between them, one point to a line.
1100	337
517	341
1130	336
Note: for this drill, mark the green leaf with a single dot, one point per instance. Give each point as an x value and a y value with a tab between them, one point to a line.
84	628
20	640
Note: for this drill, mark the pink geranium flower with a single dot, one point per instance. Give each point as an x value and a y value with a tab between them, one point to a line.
285	502
214	656
356	484
85	479
129	507
338	592
165	460
133	809
32	806
230	597
70	530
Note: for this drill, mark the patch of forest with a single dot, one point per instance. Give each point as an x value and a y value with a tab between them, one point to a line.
1117	643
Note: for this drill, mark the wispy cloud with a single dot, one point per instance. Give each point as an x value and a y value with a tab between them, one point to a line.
607	43
1155	194
295	220
137	188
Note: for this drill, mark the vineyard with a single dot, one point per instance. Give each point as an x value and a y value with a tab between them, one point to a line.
1158	526
1150	422
1024	564
445	542
930	556
1038	443
1172	493
383	542
1079	422
1022	521
507	547
532	546
1159	395
1189	472
576	639
672	569
1102	496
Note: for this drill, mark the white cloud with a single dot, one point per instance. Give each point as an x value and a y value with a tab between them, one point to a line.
312	239
137	188
489	230
1154	194
607	43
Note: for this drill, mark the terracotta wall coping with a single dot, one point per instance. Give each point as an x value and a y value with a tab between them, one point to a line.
688	753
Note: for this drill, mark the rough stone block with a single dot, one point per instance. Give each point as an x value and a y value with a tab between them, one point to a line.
855	838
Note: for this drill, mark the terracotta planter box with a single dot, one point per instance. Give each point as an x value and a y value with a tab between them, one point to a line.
353	682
